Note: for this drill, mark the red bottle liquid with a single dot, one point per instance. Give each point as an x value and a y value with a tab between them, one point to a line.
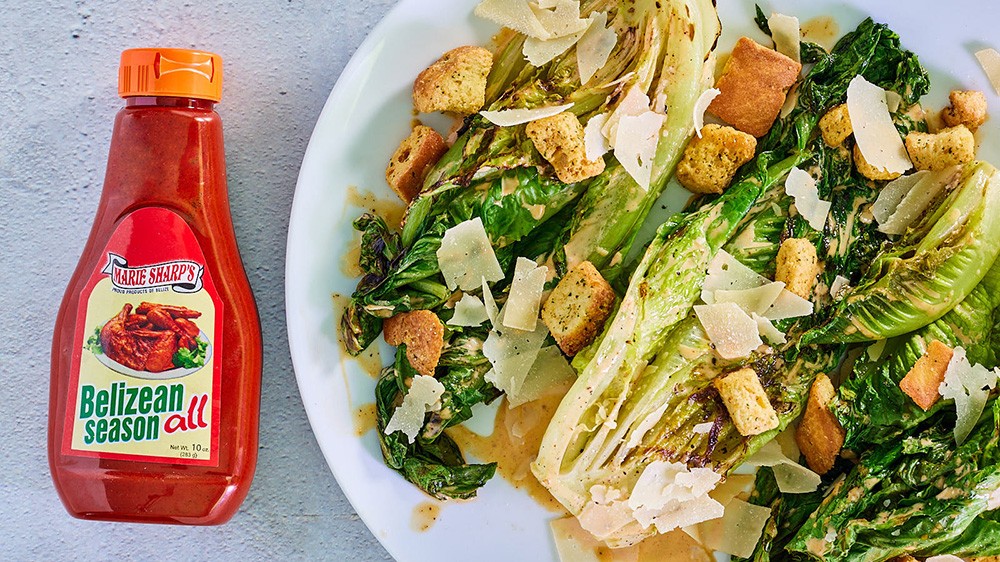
156	357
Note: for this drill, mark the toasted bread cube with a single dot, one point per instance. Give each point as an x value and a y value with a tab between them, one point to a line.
835	126
577	308
710	162
924	379
559	139
820	436
968	107
797	266
412	160
423	334
753	87
746	402
946	148
869	171
985	559
456	82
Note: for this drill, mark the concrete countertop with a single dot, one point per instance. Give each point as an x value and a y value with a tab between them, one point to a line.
58	77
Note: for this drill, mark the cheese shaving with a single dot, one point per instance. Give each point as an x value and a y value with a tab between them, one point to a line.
595	47
968	385
490	304
703	428
466	256
874	131
837	287
916	200
541	51
785	32
513	14
469	311
802	186
550	370
635	103
989	59
767	330
725	272
791	477
788	305
704	100
559	17
670	496
594	141
512	352
743	523
892	101
511	117
791	101
756	300
944	558
732	331
875	350
892	194
525	295
423	396
635	144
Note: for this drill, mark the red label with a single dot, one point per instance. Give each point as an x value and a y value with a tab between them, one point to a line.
144	378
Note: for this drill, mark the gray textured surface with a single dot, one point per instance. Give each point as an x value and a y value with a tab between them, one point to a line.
58	65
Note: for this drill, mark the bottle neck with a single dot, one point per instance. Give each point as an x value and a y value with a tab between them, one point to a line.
169	101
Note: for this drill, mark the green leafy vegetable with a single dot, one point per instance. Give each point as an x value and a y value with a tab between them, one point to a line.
94	342
190	358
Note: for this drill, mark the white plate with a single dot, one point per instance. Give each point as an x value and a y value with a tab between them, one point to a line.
367	114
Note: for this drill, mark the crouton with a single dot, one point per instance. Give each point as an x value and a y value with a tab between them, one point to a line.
922	382
710	162
412	160
946	148
559	139
423	334
984	559
968	107
577	308
819	435
797	266
835	125
746	402
869	171
753	87
456	82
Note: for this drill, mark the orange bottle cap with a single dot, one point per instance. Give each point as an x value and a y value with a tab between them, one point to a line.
181	73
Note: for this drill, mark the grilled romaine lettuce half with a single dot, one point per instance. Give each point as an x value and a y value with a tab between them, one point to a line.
494	173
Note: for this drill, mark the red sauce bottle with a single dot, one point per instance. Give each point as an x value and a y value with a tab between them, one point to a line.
156	357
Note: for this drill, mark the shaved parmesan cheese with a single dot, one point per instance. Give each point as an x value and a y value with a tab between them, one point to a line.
511	117
732	331
791	100
727	273
670	496
423	396
989	59
466	256
839	284
513	14
703	428
874	131
595	47
704	100
559	17
785	32
892	194
635	103
802	186
541	51
469	311
550	370
968	385
512	352
594	141
635	144
875	350
756	300
916	200
490	304
944	558
743	523
525	295
792	478
892	101
767	330
788	305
